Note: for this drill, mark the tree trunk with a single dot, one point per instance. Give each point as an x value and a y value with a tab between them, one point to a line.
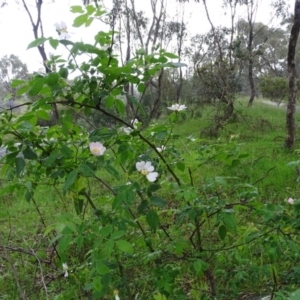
36	27
250	61
251	82
291	107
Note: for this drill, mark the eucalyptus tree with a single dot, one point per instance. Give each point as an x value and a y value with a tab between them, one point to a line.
178	30
223	63
36	20
11	67
291	108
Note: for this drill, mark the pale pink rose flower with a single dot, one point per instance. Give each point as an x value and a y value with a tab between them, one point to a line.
97	148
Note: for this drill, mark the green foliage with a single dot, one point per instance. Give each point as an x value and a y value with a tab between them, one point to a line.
210	85
274	88
13	73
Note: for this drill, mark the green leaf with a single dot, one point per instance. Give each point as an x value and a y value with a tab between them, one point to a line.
66	151
152	219
22	90
124	246
170	55
141	87
90	9
102	269
142	206
109	101
125	195
78	205
53	43
105	231
52	79
117	234
37	42
42	114
111	170
20	165
295	295
29	153
66	42
200	266
80	20
97	285
159	296
153	187
180	166
86	170
222	232
89	22
70	179
52	158
235	162
118	201
8	97
16	82
63	72
173	117
37	86
77	9
28	196
120	106
229	221
157	201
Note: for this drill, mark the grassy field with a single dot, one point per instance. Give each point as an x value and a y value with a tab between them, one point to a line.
250	150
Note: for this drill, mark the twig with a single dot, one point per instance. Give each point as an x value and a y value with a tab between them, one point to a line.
15	274
42	274
17	249
267	174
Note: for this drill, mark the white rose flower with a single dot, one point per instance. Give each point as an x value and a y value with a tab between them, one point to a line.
65	269
134	123
161	149
146	169
61	28
97	149
177	107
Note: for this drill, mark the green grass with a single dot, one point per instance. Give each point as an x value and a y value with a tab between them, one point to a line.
258	132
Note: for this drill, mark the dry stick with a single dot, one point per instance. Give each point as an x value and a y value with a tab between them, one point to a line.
267	174
16	249
82	117
240	244
44	223
15	274
42	274
39	212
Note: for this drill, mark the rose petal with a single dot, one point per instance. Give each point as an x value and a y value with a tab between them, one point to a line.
152	176
140	165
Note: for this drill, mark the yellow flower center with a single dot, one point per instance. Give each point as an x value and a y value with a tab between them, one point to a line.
95	150
144	172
